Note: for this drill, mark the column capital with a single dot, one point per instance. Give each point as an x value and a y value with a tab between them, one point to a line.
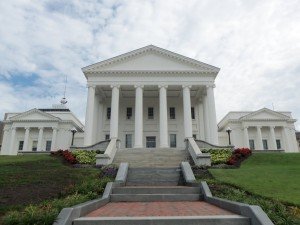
115	86
139	86
162	86
272	127
258	127
186	86
27	128
210	86
91	86
246	127
13	128
40	128
54	128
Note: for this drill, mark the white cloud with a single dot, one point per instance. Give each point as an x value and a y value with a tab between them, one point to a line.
255	43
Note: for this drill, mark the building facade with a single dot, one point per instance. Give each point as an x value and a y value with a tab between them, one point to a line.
39	130
263	129
150	97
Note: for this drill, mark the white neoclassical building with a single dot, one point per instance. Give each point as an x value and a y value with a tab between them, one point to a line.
263	129
150	97
39	130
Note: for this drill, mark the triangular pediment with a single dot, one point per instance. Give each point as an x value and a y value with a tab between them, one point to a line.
265	114
33	115
150	58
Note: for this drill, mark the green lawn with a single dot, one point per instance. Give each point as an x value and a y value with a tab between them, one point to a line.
33	178
273	175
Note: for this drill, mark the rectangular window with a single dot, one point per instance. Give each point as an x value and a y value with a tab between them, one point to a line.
193	112
150	113
173	140
106	137
48	145
251	144
128	141
21	143
278	144
195	136
129	113
265	144
151	142
172	113
34	146
108	112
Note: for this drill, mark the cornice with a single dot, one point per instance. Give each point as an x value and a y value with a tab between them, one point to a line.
139	72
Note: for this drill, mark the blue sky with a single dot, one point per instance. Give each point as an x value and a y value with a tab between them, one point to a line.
255	43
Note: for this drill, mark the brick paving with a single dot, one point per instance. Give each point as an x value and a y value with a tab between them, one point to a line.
139	209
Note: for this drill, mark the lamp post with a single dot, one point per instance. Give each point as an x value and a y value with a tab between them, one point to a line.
228	130
73	130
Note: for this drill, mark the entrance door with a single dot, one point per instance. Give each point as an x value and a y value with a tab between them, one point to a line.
150	142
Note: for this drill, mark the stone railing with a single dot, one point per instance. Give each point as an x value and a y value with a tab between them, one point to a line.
109	154
199	158
101	146
205	145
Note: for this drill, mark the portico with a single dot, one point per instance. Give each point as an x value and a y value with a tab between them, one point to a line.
150	94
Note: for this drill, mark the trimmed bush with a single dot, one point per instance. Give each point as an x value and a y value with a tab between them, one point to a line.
239	155
85	157
218	156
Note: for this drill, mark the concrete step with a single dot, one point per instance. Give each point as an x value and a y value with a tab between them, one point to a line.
156	190
170	220
154	197
153	176
151	157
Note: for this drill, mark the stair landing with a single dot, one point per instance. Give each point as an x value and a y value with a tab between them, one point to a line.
147	209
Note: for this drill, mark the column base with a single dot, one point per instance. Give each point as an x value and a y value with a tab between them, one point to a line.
138	146
164	146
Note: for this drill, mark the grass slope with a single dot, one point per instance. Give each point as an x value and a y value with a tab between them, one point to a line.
32	178
273	175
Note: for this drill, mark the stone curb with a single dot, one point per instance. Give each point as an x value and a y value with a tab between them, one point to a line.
254	212
188	174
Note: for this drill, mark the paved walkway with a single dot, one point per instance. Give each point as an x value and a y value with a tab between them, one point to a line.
138	209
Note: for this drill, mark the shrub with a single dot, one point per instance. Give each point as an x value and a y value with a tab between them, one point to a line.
69	157
239	155
108	171
85	157
218	156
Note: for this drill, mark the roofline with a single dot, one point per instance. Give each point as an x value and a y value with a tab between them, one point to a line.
145	47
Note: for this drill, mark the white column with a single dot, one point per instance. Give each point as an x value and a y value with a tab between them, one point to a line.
40	139
188	129
138	125
89	115
246	137
11	149
163	116
100	121
273	138
26	139
206	119
114	119
95	119
53	141
212	114
201	121
4	146
286	139
259	139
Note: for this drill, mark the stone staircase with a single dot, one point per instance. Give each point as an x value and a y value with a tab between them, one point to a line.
151	158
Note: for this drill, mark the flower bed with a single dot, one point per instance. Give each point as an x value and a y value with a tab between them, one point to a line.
77	156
